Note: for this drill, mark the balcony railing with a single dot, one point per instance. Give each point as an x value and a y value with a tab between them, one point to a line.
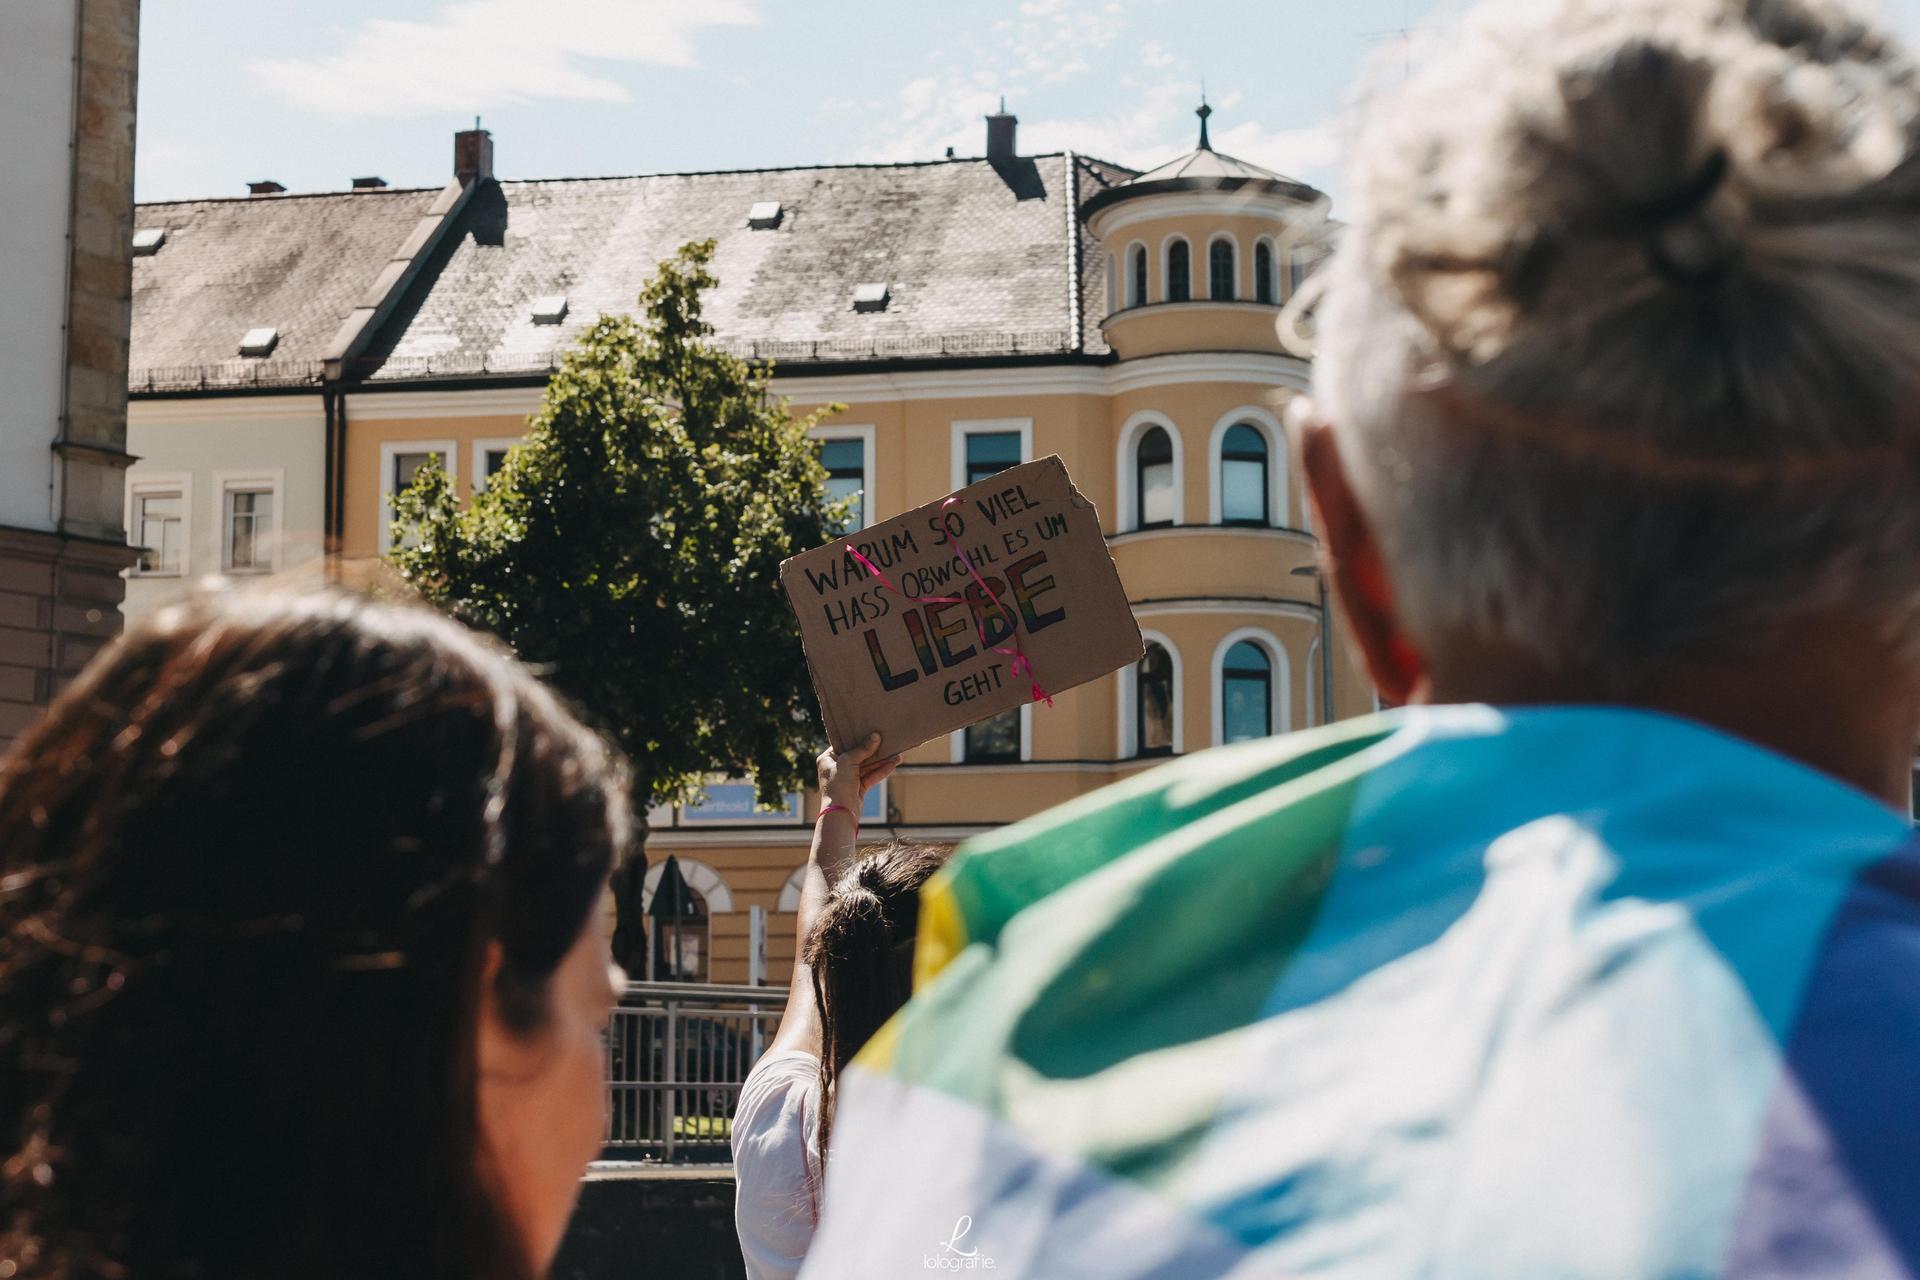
677	1054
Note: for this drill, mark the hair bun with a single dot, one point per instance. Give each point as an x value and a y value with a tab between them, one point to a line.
1586	157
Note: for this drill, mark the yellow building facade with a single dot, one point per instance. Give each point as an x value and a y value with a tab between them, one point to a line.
1136	338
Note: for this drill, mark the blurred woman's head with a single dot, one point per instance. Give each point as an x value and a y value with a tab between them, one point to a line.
301	971
861	954
1621	345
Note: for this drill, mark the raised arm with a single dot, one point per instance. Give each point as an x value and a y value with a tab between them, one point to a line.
844	780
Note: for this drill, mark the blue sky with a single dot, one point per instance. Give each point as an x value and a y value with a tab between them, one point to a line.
313	94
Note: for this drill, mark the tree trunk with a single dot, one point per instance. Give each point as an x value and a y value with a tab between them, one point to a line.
629	884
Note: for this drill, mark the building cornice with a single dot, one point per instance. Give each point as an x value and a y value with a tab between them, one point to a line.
171	411
1106	215
1268	532
1190	606
521	399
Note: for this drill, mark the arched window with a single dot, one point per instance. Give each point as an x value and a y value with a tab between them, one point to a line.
1263	290
1300	263
1153	703
1137	277
1243	476
789	899
1220	282
677	921
1153	478
1113	284
1246	693
1179	272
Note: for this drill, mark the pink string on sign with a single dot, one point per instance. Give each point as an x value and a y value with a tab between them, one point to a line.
1021	665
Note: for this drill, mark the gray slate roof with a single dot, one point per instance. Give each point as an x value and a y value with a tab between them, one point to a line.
292	263
976	263
979	262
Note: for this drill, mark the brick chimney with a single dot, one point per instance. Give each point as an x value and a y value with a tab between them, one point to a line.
472	154
268	187
1000	128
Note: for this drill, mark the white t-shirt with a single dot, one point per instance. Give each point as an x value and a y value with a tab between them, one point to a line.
774	1167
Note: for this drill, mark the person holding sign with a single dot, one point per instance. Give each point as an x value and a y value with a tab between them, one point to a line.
855	929
1599	958
998	595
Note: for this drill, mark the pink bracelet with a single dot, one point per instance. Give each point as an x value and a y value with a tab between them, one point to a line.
834	807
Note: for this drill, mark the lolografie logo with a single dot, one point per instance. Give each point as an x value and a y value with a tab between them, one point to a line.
954	1255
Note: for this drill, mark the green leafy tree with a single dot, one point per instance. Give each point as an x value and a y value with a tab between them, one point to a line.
629	548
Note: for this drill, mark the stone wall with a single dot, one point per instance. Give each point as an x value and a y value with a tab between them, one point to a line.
60	591
93	441
59	603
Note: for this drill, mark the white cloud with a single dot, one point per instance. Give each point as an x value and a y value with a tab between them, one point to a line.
1046	44
475	55
1153	124
1307	153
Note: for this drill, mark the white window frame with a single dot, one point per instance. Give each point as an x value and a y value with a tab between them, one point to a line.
1126	465
1281	711
865	435
1311	712
789	899
155	484
962	428
1166	268
1233	246
481	448
1127	704
449	451
1139	298
1277	265
700	877
1279	508
271	481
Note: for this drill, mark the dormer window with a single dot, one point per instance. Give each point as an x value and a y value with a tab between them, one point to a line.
765	215
551	309
872	296
259	343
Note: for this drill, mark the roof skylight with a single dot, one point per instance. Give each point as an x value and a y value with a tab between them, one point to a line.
765	215
147	241
872	296
259	342
551	309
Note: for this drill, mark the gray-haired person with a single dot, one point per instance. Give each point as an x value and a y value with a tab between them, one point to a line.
1602	957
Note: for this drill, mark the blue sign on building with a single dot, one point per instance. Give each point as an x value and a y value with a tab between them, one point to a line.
732	803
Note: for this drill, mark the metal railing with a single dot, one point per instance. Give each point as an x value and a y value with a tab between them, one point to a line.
677	1054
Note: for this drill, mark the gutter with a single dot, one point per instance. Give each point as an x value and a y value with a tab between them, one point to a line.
1076	288
358	331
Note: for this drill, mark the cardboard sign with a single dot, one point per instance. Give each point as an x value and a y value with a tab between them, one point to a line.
888	658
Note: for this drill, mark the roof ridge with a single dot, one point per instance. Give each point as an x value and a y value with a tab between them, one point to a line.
282	196
611	177
787	168
1083	157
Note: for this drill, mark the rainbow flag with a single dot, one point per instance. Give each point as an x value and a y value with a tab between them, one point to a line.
1451	992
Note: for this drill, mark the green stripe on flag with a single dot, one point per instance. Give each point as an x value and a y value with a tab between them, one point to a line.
1152	918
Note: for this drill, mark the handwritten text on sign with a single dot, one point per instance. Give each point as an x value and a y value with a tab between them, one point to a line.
941	602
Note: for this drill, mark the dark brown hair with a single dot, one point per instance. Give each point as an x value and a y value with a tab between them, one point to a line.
250	867
861	955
